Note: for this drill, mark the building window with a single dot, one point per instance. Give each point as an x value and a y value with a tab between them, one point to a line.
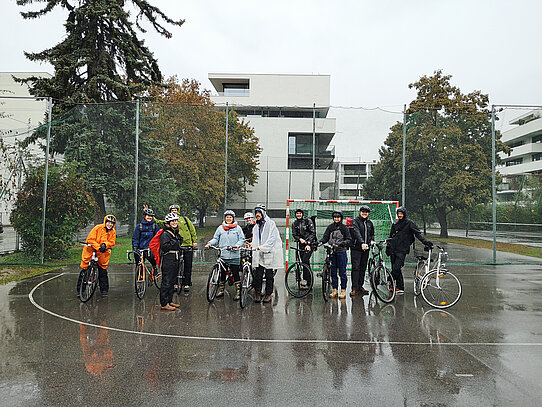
537	156
517	161
354	169
537	139
353	180
236	89
516	144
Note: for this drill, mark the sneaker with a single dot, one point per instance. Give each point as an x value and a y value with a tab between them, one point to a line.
363	291
267	298
186	288
334	293
174	305
104	293
303	284
167	307
342	295
257	297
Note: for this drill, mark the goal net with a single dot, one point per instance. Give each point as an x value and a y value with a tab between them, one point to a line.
382	215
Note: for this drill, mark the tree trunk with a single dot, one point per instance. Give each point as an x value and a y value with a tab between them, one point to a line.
442	219
202	213
100	200
424	221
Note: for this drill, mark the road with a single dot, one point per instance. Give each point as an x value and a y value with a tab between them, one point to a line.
120	351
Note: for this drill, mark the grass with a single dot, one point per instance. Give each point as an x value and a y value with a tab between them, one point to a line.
16	266
487	244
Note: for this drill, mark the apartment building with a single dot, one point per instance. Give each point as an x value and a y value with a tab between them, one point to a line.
350	177
280	108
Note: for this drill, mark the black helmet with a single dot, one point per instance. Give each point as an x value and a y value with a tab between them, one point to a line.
364	208
401	209
337	214
148	211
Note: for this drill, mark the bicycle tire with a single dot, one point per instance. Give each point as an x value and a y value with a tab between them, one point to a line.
383	284
246	285
140	280
180	278
326	283
293	280
157	279
441	289
417	278
212	283
89	283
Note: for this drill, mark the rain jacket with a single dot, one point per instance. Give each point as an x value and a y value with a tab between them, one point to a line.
402	235
232	237
143	234
98	235
187	231
363	231
266	236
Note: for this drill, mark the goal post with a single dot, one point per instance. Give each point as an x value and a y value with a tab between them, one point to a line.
382	215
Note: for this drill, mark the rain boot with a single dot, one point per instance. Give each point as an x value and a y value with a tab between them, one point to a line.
334	293
220	292
237	291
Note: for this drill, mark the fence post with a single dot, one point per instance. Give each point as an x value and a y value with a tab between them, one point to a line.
49	115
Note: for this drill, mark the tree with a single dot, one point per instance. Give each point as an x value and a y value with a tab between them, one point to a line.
448	151
69	208
101	59
193	132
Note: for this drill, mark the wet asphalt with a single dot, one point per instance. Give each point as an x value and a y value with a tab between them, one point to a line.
119	350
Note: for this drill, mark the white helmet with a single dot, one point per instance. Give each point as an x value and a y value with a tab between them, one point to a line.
171	216
248	215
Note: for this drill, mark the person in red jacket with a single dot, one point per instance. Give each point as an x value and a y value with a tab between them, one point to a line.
101	238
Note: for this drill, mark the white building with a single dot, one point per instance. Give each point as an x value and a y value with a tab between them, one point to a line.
525	140
350	177
18	117
280	109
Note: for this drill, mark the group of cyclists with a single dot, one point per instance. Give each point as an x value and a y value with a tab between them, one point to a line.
179	237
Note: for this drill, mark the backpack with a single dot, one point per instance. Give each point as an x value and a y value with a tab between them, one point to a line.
154	245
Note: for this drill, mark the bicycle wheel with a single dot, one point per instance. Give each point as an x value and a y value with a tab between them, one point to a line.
212	283
440	289
326	283
417	278
157	278
293	279
140	280
383	284
89	283
180	279
246	285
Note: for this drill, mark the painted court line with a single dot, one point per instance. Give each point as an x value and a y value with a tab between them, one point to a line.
255	340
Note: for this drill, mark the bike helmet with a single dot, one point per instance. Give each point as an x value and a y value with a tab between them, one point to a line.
229	212
148	212
111	218
171	216
337	214
364	208
174	206
248	215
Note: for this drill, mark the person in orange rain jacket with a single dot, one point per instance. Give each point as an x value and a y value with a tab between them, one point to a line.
101	238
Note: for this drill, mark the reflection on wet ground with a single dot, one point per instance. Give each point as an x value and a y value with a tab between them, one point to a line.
483	351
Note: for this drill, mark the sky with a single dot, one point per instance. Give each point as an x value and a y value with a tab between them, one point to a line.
371	49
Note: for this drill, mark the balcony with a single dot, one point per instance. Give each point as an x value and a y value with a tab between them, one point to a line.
323	161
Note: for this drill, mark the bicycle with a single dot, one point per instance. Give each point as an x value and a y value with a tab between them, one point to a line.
326	271
214	276
380	277
143	272
90	277
247	276
296	285
437	286
180	282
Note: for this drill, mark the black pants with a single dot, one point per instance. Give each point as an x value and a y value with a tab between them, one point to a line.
359	260
258	280
170	268
233	270
188	255
397	262
305	256
147	255
103	280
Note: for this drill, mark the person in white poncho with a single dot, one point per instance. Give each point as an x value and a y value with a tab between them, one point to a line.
269	257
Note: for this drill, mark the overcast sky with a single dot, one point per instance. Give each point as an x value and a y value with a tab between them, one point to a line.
371	49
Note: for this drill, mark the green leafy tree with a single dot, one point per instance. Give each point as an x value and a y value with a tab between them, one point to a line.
193	132
448	152
100	59
70	207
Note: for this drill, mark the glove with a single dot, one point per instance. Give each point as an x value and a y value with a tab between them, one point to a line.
429	244
103	248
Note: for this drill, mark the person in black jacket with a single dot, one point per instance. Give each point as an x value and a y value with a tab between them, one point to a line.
249	225
364	234
337	234
170	253
304	234
402	235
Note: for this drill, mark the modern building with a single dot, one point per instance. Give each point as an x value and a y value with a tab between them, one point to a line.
280	108
525	141
350	177
19	116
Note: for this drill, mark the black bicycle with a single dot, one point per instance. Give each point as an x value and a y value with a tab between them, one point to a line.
299	277
181	278
90	277
247	276
382	282
326	271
